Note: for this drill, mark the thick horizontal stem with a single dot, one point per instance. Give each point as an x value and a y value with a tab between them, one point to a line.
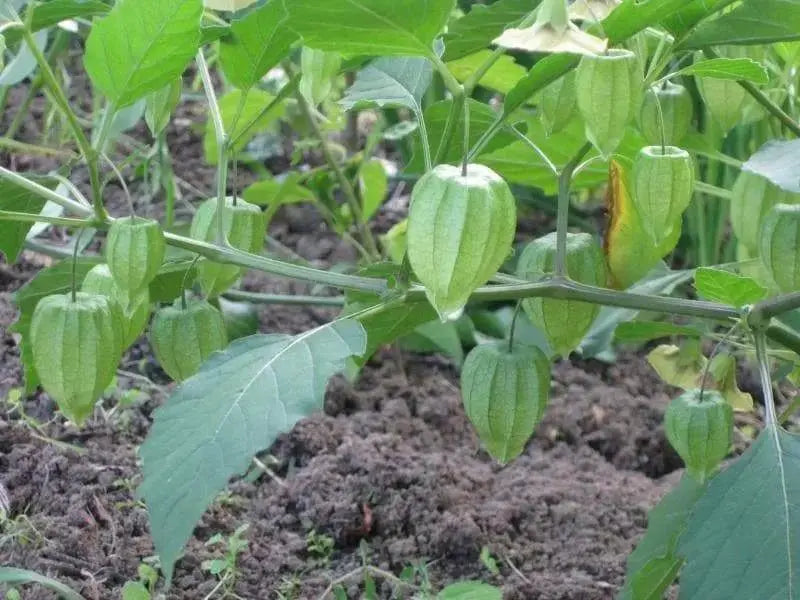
10	215
286	299
763	311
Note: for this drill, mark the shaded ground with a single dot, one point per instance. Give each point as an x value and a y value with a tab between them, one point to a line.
392	462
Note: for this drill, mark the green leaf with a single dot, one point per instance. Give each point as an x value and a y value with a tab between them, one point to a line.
470	590
390	82
481	117
56	279
13	577
168	282
632	16
778	161
654	564
761	22
318	70
644	331
235	407
159	106
12	233
212	33
47	14
242	120
502	76
543	73
680	22
728	68
742	539
372	186
258	42
141	46
728	288
435	336
275	192
135	590
370	27
476	30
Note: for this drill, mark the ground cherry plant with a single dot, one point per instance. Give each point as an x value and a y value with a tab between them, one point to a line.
684	112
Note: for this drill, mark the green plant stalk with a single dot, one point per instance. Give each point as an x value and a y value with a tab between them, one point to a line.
101	134
12	576
9	215
344	183
46	193
222	144
285	299
562	217
770	415
712	190
22	147
780	333
455	114
60	99
286	91
763	311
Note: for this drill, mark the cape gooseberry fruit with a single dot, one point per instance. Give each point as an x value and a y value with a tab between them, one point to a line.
752	198
134	311
135	249
505	395
780	246
676	111
564	322
244	226
184	337
557	103
663	182
609	93
725	99
460	230
699	426
75	348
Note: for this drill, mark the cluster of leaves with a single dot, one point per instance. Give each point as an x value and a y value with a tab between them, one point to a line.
660	101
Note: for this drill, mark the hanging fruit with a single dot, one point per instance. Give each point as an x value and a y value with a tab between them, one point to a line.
557	104
699	426
564	322
505	394
752	198
75	348
135	249
780	246
135	311
460	231
244	227
663	182
609	92
183	337
676	111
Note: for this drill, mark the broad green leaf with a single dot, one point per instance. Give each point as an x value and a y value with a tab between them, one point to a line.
654	564
503	75
644	331
269	192
318	70
141	46
742	539
215	422
726	287
47	14
370	27
243	120
778	161
543	73
159	106
372	186
258	42
168	282
470	590
694	11
212	33
56	279
135	590
23	63
484	22
12	233
660	281
728	68
634	15
761	22
393	81
481	118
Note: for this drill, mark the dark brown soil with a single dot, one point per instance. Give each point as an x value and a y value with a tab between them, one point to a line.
392	462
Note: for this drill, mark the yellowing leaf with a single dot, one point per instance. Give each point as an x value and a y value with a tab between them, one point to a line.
723	370
629	249
681	367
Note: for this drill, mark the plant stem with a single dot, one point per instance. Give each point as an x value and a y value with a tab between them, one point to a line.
712	190
285	299
562	217
8	215
763	311
46	193
101	134
23	148
456	110
528	142
785	336
759	96
222	144
60	99
770	416
513	327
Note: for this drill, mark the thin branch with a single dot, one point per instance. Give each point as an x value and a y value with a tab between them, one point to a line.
562	218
